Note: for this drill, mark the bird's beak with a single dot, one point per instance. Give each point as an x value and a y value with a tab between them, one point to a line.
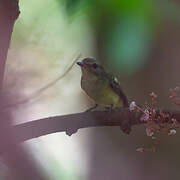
80	64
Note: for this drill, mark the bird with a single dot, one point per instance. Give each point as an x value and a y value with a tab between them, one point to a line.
101	86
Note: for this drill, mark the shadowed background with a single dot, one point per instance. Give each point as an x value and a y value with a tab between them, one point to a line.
138	41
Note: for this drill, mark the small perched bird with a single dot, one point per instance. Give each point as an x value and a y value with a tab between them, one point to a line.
101	86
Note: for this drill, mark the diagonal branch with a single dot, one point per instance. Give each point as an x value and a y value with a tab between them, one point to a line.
38	92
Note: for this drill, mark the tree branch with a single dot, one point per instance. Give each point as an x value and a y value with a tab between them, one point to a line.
71	123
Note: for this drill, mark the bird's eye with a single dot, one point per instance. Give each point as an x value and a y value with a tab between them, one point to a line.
94	65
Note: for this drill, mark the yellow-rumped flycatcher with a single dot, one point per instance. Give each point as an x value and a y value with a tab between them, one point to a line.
101	86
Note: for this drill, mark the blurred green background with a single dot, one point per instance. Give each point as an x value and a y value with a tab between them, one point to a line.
138	41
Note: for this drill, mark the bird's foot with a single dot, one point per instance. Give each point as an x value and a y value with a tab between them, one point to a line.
126	123
92	108
109	108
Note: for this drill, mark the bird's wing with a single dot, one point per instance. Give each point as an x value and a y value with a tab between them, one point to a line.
115	85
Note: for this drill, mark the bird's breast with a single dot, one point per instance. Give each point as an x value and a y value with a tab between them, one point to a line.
100	91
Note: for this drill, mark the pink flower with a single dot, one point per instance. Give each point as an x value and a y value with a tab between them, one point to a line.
140	149
145	116
132	106
172	132
153	95
149	131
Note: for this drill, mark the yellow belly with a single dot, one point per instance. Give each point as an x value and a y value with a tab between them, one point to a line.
108	98
101	92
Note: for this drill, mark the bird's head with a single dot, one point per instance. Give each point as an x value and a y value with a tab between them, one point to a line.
91	66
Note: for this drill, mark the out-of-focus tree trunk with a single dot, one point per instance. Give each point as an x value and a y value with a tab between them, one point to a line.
20	164
9	12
